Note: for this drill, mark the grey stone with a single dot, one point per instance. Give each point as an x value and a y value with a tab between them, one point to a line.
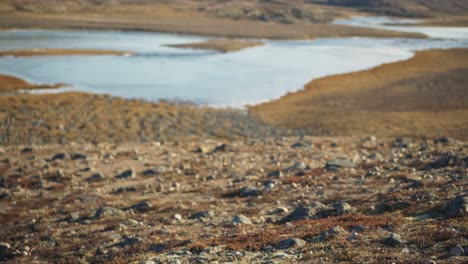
141	207
457	207
248	191
300	213
108	212
447	141
336	230
291	243
130	241
457	251
241	219
342	208
78	156
276	174
339	163
202	214
126	174
298	165
302	144
59	156
402	142
96	177
394	240
155	171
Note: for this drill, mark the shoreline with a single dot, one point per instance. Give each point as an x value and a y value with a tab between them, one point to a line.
220	45
224	28
13	84
391	94
62	52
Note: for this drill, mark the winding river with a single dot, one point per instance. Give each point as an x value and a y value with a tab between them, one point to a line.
233	79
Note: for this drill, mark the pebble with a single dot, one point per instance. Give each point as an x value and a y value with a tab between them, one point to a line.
78	156
291	243
457	207
241	219
108	212
96	177
394	240
141	207
457	251
178	217
248	191
59	156
125	174
130	241
339	163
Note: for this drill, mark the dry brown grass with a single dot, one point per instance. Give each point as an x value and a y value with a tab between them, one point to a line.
189	17
221	45
425	95
12	84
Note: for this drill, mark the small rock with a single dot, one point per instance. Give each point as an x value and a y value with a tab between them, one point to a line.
300	213
249	191
446	141
336	230
73	217
126	189
126	174
26	150
342	208
131	223
276	174
302	144
108	212
457	251
220	148
59	156
457	207
402	143
178	217
202	214
241	219
4	246
78	156
130	241
394	240
299	165
155	171
291	243
141	207
97	177
339	163
202	149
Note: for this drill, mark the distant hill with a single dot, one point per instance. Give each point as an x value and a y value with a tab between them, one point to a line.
407	8
279	11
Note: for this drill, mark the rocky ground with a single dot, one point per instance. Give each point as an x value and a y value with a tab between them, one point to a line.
283	200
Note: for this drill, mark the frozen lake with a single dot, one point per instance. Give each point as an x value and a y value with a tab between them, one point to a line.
219	79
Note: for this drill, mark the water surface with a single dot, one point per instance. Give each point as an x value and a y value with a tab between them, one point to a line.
249	76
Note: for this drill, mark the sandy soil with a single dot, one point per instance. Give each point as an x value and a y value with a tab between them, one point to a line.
425	95
192	24
221	45
12	84
61	52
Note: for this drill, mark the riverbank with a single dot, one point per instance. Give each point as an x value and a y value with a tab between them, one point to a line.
221	45
62	52
425	95
205	26
10	84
